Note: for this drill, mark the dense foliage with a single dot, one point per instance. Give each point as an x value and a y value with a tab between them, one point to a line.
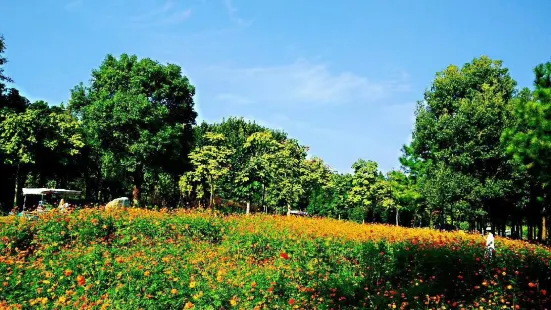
139	259
479	154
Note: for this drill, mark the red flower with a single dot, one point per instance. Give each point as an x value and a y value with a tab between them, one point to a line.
292	300
284	255
543	292
81	280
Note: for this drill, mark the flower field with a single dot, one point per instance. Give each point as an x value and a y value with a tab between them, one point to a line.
134	258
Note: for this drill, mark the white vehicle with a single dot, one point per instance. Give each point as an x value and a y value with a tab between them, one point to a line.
47	191
118	203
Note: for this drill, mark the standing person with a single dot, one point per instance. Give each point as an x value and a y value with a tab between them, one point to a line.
490	247
61	206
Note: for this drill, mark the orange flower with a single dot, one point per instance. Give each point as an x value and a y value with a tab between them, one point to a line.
543	292
532	284
174	291
147	273
291	301
68	273
81	280
189	305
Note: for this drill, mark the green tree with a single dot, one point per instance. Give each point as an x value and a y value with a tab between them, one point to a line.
316	179
261	150
138	115
10	102
286	187
403	191
37	130
3	61
211	164
528	139
457	134
363	192
237	131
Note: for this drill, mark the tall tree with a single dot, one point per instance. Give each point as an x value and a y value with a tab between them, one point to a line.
403	191
457	133
3	61
237	131
286	188
211	163
316	179
363	192
528	138
138	114
38	130
10	102
261	150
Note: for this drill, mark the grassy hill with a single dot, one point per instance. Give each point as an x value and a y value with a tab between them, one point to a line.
134	258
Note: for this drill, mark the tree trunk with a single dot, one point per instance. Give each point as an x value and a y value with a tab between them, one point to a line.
248	207
543	229
263	196
397	217
211	199
16	195
288	209
540	230
137	191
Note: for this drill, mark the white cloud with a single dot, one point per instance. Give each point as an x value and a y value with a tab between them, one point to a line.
303	82
234	16
167	14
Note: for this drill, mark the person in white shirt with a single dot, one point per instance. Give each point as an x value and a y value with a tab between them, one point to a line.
490	247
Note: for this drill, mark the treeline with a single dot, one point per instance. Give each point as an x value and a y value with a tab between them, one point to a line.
480	152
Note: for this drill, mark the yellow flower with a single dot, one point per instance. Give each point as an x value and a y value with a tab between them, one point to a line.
147	273
509	287
198	295
189	305
233	302
192	284
174	291
44	300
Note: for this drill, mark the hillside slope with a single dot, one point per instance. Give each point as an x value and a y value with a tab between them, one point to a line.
134	258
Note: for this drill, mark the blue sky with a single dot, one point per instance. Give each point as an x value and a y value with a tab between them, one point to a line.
341	77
